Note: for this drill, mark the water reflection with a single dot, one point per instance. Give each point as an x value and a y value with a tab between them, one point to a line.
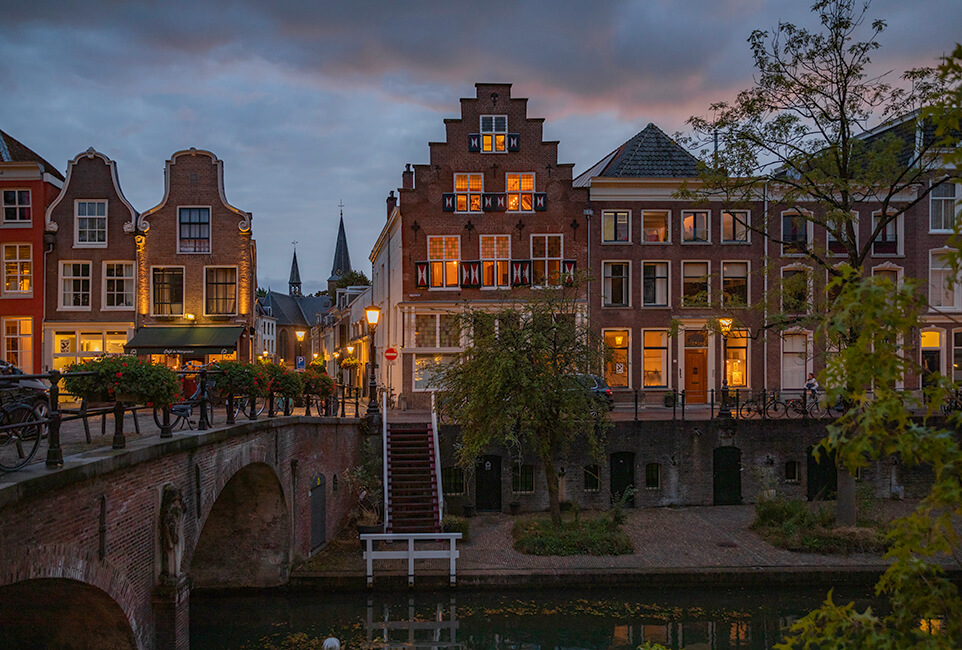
707	619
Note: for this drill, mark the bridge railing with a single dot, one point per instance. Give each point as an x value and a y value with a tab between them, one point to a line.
410	552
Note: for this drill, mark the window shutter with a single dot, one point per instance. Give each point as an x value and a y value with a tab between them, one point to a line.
540	201
474	142
423	273
568	270
514	142
447	202
520	273
501	204
489	202
470	274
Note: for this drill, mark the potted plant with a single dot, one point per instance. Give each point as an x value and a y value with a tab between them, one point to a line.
515	507
124	379
317	384
242	379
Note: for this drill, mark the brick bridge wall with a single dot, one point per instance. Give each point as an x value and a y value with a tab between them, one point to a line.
51	523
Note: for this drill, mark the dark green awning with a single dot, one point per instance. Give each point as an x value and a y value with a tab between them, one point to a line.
184	340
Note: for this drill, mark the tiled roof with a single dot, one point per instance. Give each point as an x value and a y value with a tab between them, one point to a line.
12	150
650	154
295	310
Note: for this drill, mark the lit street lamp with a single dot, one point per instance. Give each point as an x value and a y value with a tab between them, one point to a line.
372	313
726	328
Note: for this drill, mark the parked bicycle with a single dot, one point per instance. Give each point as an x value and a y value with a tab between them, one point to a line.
21	428
383	390
764	404
182	412
953	402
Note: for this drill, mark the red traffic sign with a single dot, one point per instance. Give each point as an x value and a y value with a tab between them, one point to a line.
390	354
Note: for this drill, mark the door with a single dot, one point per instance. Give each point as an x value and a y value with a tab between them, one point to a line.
696	380
318	512
622	475
822	477
487	484
727	476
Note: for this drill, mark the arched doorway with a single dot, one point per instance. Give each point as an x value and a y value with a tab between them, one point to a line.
727	476
245	541
622	475
61	613
822	476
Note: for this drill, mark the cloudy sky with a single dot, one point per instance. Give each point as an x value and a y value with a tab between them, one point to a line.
310	103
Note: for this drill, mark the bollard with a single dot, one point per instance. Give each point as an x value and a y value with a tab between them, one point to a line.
253	405
230	407
119	440
307	405
166	431
54	451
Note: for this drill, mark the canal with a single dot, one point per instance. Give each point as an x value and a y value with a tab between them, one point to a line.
623	618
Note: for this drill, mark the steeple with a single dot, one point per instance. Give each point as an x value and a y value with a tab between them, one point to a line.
294	284
342	259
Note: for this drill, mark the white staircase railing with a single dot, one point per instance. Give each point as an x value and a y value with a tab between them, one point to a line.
437	460
410	553
385	484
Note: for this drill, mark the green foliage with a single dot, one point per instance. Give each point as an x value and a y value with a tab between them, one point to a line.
365	481
349	362
243	379
578	536
455	524
287	383
316	382
126	376
799	526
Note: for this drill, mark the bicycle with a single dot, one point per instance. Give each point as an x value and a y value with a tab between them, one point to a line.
764	404
20	433
952	403
183	411
386	390
242	406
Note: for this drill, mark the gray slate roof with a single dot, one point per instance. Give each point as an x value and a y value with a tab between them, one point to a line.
342	258
12	150
294	310
649	154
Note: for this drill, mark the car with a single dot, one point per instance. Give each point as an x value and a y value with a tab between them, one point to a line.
34	392
598	387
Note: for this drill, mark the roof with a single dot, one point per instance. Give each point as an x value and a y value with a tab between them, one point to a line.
12	150
342	258
649	154
295	272
294	310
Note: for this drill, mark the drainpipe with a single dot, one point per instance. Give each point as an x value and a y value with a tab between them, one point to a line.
765	292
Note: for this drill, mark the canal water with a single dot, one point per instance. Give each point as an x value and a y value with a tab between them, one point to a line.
618	619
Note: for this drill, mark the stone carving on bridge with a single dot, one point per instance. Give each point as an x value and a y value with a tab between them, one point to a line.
171	532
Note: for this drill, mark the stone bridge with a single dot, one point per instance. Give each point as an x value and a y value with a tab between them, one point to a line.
103	552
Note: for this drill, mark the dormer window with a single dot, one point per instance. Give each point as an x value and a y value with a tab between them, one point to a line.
91	224
494	133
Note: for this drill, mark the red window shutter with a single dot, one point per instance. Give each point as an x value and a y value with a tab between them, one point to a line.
422	275
474	142
514	142
540	201
447	202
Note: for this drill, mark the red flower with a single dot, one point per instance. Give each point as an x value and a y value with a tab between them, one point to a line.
125	364
120	374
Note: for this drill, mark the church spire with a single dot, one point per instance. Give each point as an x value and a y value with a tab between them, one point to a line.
342	259
294	284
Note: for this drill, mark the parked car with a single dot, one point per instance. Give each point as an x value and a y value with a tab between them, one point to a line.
598	387
34	392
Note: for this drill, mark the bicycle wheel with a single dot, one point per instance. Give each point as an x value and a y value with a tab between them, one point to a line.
747	410
794	408
19	442
776	409
815	410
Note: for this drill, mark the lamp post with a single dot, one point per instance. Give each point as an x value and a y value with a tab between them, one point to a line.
725	411
300	345
372	313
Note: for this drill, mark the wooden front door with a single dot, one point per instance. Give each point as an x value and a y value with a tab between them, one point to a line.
696	376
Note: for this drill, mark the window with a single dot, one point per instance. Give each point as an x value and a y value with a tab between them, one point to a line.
735	284
168	291
694	226
942	208
75	285
16	206
220	290
443	255
886	273
794	361
546	259
930	342
193	230
615	227
467	192
653	476
496	261
794	234
943	289
735	227
18	343
887	242
522	478
616	284
90	224
655	284
452	481
494	133
655	358
17	268
118	285
837	247
736	359
655	226
592	478
694	290
520	192
957	356
425	368
436	331
616	367
792	471
795	291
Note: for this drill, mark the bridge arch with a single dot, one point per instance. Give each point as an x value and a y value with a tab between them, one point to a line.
245	538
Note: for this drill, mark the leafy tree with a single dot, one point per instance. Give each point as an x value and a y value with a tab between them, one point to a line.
351	279
515	383
795	142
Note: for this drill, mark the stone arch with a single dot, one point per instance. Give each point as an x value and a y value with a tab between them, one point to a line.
52	580
245	537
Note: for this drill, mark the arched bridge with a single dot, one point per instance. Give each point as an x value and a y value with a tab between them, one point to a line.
107	548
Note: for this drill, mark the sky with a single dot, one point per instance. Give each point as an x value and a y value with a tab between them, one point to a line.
314	103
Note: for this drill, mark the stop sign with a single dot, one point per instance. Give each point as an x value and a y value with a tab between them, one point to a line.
390	354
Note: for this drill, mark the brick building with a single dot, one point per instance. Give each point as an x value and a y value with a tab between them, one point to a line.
195	290
91	262
28	184
493	214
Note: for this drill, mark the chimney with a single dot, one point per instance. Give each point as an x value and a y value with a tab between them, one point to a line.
391	203
407	177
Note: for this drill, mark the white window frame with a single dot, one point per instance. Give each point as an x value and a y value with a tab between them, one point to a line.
708	292
739	335
605	214
943	201
628	369
899	224
133	285
809	285
24	356
210	229
493	132
18	261
236	288
830	239
439	359
606	298
60	287
469	192
807	363
668	238
495	260
547	259
667	374
747	220
956	288
707	239
77	217
809	230
444	261
16	223
667	304
520	193
183	290
748	282
890	268
943	347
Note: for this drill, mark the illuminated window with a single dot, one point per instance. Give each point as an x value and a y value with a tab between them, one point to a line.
467	192
193	230
494	133
617	366
615	227
495	261
221	290
735	227
17	268
426	367
655	226
444	255
18	343
522	478
16	206
592	478
736	359
694	291
735	284
616	284
546	253
694	226
118	285
436	331
167	288
930	341
90	224
520	192
655	359
75	285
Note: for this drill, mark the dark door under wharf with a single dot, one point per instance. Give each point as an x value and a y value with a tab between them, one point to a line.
318	512
487	484
727	476
622	475
822	476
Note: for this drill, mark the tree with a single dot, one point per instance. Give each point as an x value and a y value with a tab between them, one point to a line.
802	140
350	279
515	384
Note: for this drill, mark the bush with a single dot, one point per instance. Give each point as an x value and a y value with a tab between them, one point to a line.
287	383
800	526
455	524
596	536
128	377
243	379
317	383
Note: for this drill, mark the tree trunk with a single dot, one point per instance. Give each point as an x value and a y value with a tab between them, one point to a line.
551	477
845	506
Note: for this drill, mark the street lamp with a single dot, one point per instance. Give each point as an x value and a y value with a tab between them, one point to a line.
725	324
372	313
300	344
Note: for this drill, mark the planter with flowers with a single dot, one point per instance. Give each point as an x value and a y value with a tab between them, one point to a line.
242	379
316	385
350	362
124	379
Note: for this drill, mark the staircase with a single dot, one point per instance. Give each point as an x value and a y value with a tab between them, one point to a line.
412	479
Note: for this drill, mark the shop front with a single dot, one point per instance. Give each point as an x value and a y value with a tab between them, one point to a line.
177	347
77	342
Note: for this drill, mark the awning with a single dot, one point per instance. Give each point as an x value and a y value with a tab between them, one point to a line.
184	340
